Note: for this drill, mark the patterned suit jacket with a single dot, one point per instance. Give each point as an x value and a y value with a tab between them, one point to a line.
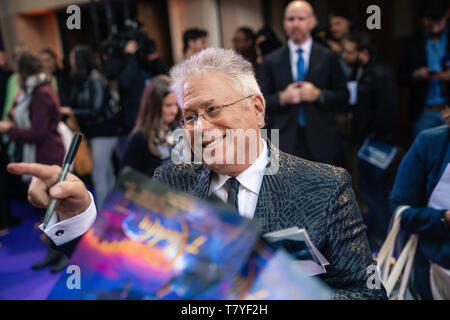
314	196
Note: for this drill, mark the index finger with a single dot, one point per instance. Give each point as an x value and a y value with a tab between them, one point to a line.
37	170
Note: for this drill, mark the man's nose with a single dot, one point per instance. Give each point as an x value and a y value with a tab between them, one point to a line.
297	23
203	125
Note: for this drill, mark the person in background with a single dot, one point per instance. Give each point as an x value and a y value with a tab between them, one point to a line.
425	165
13	86
5	211
59	81
35	114
137	69
151	140
5	73
32	126
373	115
422	70
266	41
341	23
244	43
129	68
350	57
194	40
304	87
87	101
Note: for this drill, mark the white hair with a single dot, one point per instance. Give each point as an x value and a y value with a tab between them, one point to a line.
230	64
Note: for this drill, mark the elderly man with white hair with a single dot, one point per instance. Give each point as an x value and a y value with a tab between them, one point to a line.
220	100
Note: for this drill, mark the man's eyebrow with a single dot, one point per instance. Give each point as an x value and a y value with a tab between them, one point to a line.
202	105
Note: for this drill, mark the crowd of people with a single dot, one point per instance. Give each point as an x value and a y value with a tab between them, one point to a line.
330	95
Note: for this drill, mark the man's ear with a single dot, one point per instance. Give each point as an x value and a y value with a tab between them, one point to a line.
190	43
260	109
315	22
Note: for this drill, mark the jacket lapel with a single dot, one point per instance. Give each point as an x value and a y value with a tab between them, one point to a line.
203	181
269	199
285	64
267	206
314	58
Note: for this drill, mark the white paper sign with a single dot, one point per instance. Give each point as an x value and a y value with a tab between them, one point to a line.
440	197
352	87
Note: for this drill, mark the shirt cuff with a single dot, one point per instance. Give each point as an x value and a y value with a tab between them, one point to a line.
69	229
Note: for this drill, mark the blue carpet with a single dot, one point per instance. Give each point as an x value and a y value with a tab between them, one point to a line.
19	249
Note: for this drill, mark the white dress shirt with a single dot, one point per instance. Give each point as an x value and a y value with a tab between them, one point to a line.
249	185
64	231
306	54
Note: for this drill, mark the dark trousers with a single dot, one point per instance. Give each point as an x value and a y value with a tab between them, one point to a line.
4	193
12	188
374	188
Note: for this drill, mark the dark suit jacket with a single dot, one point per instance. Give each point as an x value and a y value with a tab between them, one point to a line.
376	106
309	195
427	160
415	57
325	73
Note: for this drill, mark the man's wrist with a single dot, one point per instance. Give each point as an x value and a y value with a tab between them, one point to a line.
447	216
320	96
87	203
281	98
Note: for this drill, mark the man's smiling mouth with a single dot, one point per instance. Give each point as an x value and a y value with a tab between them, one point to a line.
213	143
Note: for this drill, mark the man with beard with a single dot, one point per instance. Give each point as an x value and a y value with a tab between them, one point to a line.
341	24
373	113
423	69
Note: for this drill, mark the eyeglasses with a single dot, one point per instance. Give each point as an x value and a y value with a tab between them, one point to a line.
211	114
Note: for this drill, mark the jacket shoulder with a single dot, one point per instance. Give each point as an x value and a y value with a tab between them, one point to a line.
434	137
297	172
45	93
276	55
181	177
381	69
324	51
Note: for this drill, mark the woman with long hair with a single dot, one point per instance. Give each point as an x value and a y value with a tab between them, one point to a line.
151	141
32	127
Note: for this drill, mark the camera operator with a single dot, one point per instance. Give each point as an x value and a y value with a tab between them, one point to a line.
132	62
138	68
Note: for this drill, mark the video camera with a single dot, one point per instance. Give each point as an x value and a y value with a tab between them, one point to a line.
116	44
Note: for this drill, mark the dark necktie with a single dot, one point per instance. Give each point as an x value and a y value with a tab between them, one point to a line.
233	189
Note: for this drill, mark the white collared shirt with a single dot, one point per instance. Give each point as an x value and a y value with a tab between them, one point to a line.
249	184
293	55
